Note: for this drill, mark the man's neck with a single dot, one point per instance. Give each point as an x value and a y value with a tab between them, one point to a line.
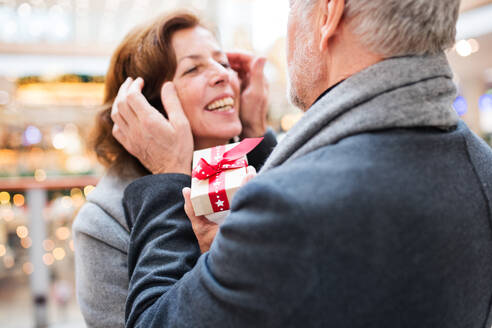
344	60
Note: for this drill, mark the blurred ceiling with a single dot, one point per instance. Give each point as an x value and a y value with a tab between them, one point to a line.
94	27
84	27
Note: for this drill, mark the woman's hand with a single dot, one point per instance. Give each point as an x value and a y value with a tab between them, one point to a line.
162	145
254	93
204	229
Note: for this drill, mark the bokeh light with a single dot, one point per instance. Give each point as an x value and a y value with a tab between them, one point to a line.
460	105
26	242
48	245
62	233
7	214
22	231
88	189
8	261
59	253
485	102
4	197
32	136
66	201
19	200
464	48
40	175
28	268
48	259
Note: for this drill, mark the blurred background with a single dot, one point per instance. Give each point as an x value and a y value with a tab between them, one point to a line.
53	58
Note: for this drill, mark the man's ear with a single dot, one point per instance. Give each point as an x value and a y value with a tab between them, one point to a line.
331	16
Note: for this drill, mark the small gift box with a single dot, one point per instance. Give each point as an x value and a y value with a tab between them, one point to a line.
217	174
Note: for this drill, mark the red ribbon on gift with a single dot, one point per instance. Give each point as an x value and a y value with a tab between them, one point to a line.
222	161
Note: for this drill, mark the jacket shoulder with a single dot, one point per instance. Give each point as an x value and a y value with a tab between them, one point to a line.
395	170
98	224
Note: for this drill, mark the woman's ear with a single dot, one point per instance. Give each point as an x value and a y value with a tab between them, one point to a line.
331	17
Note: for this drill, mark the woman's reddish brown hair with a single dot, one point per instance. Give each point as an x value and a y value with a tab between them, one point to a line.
145	52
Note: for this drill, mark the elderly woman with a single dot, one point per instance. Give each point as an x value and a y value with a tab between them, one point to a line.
176	48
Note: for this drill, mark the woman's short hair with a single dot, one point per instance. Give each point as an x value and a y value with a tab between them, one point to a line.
145	52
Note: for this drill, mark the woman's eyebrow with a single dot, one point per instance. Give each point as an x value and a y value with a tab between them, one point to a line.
216	53
190	57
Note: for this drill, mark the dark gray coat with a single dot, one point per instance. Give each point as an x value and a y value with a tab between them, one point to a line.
385	223
101	238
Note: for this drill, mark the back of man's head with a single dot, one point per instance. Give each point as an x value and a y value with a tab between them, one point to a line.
401	27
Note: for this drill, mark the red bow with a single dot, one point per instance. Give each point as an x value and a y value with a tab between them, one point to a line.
232	159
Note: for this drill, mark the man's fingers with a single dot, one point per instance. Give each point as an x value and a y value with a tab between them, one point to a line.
188	207
120	136
241	63
123	90
118	115
250	175
172	105
137	102
239	59
118	112
257	77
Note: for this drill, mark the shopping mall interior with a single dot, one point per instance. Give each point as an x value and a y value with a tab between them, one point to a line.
53	58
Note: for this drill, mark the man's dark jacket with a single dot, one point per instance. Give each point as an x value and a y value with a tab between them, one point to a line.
375	211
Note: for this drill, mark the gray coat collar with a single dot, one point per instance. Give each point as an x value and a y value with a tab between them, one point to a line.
401	92
108	195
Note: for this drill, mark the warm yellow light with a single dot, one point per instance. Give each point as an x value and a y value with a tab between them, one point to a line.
59	253
40	175
75	192
7	214
71	245
3	250
48	259
28	268
62	233
8	261
22	231
464	48
66	201
19	200
4	197
88	189
26	242
77	197
48	245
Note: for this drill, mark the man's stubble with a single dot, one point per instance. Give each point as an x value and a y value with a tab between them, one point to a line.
304	69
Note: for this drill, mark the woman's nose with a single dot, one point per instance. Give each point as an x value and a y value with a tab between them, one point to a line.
220	75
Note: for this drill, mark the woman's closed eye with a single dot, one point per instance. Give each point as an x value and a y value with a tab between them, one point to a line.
195	68
191	70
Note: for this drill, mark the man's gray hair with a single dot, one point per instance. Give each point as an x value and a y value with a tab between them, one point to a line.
401	27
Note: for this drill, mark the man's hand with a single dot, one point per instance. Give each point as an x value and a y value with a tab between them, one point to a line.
162	145
254	93
204	229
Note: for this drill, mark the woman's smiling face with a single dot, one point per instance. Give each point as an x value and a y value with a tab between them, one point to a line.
207	87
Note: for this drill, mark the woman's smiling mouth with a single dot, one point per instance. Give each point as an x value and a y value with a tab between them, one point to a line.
221	105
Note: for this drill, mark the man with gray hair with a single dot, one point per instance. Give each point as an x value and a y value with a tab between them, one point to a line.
373	211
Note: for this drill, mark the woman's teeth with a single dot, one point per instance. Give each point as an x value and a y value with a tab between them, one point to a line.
221	105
